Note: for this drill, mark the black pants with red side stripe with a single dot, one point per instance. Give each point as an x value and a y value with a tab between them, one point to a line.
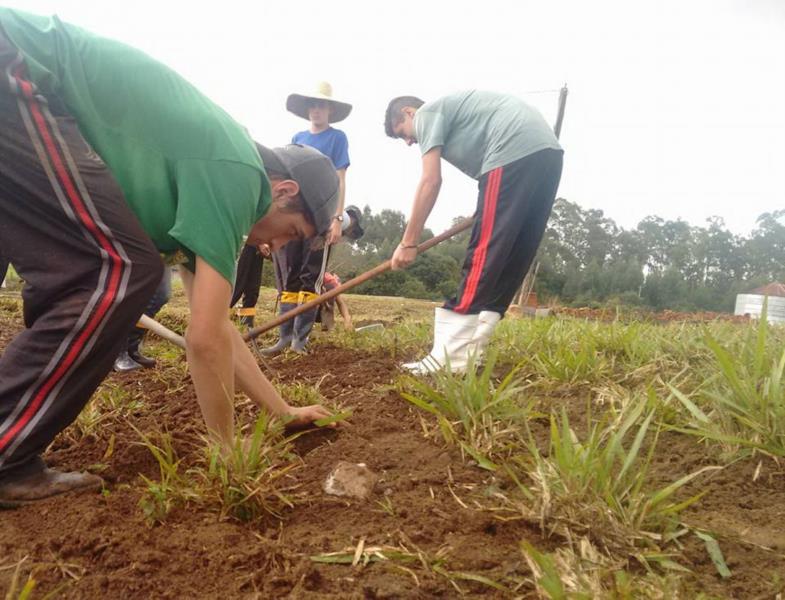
89	268
513	207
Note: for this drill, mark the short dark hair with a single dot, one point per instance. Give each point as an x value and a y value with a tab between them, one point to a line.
295	204
393	115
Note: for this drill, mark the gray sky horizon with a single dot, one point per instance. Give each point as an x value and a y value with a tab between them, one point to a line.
676	109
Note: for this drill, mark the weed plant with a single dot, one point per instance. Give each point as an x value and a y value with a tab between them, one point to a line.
395	341
483	416
595	486
247	482
580	572
244	483
299	393
112	401
173	488
562	354
742	406
408	558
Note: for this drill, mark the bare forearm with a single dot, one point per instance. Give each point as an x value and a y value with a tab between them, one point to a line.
211	368
344	310
341	191
251	380
424	200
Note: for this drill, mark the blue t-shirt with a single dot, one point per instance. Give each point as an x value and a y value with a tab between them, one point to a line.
330	142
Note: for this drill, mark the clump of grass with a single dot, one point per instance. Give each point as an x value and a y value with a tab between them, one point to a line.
19	589
244	482
117	396
172	489
580	572
111	401
89	420
742	407
576	363
299	393
394	341
10	306
16	589
410	559
247	482
595	486
475	411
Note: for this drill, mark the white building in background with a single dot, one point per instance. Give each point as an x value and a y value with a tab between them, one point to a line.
751	303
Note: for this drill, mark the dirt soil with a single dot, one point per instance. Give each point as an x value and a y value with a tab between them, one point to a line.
99	545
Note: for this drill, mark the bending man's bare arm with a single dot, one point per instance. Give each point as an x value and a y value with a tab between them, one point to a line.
424	199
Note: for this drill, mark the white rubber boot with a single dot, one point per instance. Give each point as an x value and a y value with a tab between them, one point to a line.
486	323
452	336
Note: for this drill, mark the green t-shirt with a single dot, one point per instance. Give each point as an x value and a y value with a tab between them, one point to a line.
480	131
189	172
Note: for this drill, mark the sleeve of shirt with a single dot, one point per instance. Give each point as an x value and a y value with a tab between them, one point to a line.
340	154
429	129
217	203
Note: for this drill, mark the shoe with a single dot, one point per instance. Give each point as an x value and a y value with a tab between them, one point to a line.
124	363
135	343
45	484
302	329
285	332
453	334
145	361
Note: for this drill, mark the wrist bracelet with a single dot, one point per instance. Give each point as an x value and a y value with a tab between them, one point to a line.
403	246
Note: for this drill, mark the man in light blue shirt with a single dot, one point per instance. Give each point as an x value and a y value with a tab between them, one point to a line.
508	147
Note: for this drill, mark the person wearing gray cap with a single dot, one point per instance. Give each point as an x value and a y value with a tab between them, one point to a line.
112	161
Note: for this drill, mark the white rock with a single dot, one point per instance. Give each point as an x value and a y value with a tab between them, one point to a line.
349	479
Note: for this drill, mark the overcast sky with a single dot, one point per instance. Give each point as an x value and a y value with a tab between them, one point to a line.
676	108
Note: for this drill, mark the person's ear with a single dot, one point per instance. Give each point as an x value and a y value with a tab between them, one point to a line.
282	190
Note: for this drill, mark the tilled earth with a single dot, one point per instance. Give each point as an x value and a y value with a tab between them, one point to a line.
427	501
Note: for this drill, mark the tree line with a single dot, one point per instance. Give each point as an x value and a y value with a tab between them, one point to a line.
586	259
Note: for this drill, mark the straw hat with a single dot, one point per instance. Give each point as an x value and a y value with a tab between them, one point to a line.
298	103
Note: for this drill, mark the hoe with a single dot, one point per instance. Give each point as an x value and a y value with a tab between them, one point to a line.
252	334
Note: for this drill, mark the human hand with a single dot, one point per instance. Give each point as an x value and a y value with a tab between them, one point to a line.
403	257
302	416
264	250
334	234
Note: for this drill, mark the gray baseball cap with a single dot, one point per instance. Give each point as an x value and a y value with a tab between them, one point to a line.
313	172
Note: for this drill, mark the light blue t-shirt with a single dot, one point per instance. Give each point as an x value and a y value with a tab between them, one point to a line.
480	131
330	142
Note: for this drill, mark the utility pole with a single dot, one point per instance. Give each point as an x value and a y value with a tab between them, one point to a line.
528	282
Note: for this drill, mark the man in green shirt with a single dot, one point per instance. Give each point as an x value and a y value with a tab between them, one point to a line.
108	160
507	146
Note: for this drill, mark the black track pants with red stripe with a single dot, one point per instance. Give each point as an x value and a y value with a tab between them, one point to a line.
513	207
88	266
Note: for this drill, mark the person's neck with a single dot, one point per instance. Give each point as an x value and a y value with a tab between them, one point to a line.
319	128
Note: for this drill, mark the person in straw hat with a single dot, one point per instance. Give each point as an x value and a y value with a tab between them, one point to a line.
299	267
